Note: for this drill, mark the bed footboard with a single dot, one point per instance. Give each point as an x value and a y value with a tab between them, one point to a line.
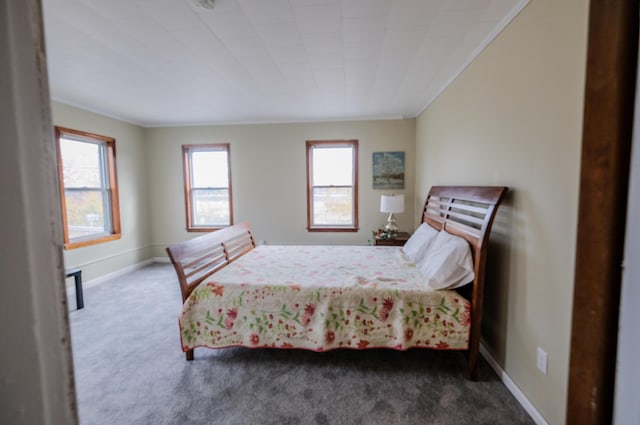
200	257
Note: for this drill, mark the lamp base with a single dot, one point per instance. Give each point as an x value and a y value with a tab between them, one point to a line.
391	228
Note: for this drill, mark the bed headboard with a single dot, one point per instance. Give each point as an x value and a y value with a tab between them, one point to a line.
468	212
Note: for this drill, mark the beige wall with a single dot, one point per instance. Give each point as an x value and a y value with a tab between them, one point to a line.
134	246
514	118
268	167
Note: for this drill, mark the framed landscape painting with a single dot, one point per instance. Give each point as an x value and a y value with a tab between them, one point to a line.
388	170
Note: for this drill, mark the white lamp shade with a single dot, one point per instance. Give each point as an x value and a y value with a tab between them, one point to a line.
392	203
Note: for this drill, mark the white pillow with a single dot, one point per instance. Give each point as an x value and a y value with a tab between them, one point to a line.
419	242
448	262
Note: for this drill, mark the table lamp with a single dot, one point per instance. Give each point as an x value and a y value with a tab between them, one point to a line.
391	204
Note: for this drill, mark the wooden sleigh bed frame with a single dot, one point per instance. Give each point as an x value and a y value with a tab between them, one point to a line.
464	211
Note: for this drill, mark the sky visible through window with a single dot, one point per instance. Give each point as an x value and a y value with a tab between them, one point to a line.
210	169
332	166
84	191
80	162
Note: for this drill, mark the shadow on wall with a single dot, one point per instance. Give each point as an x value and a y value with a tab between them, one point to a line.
497	280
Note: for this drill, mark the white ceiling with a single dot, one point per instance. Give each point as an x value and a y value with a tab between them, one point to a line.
170	62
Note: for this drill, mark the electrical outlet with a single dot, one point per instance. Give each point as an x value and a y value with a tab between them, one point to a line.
541	360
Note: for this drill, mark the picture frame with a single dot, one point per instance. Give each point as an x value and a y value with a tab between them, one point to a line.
388	170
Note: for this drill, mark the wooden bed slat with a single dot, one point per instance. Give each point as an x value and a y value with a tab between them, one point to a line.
469	210
465	217
237	252
443	203
211	263
205	274
471	213
482	210
196	259
202	258
472	231
238	247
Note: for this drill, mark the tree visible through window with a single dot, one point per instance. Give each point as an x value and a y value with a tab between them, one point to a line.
332	185
88	187
207	176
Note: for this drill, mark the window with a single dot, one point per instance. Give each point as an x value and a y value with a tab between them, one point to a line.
207	186
88	187
332	186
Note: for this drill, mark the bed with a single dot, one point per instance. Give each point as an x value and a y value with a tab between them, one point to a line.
321	298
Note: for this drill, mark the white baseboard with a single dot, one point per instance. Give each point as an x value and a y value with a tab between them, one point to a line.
161	260
93	282
512	387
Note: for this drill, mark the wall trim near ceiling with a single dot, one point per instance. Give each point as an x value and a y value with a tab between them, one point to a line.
291	121
512	387
95	111
223	123
498	29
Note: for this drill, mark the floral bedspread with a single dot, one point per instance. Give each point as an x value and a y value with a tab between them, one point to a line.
320	298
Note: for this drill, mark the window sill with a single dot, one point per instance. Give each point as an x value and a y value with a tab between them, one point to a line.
205	229
80	244
332	229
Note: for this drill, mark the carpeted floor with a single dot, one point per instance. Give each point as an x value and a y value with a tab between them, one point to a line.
129	369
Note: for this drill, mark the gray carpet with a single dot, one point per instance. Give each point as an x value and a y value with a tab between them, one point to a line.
130	369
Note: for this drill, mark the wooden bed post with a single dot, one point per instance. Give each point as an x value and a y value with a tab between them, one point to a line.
477	300
468	212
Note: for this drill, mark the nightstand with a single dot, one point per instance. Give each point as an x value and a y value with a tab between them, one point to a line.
400	239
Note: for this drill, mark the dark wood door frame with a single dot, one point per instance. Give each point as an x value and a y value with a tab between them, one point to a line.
606	150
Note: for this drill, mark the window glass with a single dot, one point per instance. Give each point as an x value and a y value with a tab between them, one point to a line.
332	206
333	166
207	186
210	169
332	193
86	214
81	163
88	187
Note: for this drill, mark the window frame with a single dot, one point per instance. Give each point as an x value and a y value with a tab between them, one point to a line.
311	144
111	179
186	165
